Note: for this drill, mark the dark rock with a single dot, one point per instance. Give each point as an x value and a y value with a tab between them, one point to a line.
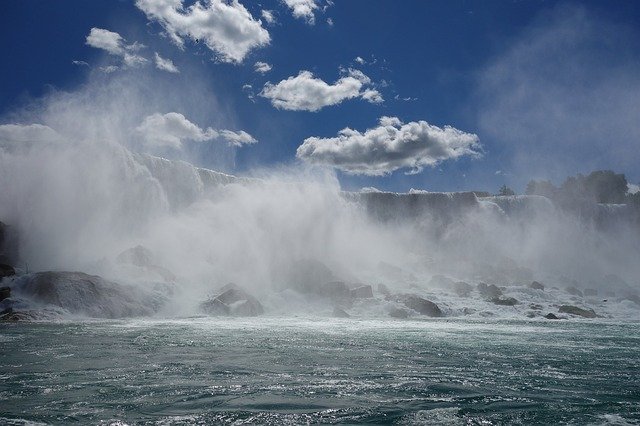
504	301
462	289
335	290
398	313
490	291
362	292
384	290
340	313
551	316
6	271
535	307
590	292
468	311
536	285
574	310
573	291
233	300
5	293
420	305
138	256
88	295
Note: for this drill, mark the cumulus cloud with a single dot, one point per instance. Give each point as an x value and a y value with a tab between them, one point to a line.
172	129
165	64
305	92
226	27
390	146
115	45
563	97
262	67
303	9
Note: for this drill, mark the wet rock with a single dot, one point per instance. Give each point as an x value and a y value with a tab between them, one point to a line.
504	301
89	295
573	291
232	300
384	290
5	293
6	271
420	305
362	292
340	313
335	290
468	311
590	292
536	285
551	316
462	289
398	313
490	291
574	310
535	307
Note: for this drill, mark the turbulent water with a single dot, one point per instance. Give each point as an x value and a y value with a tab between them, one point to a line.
304	370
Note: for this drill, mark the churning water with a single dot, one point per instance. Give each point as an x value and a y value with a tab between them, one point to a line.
304	370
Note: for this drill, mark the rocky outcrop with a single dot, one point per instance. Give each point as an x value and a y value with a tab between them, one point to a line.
536	285
88	295
551	316
574	310
490	291
232	300
420	305
504	301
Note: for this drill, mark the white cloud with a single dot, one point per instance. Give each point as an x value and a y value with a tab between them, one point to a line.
172	129
29	133
226	27
80	63
390	146
330	22
262	67
305	92
115	45
109	69
359	60
165	64
268	16
303	9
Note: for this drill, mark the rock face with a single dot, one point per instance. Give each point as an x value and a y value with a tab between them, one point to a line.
490	291
420	305
505	301
574	310
536	285
88	295
362	292
233	300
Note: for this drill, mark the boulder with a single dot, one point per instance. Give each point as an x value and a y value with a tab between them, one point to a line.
551	316
536	285
462	289
6	270
89	295
504	301
420	305
573	291
398	313
362	292
232	300
490	291
340	313
5	293
574	310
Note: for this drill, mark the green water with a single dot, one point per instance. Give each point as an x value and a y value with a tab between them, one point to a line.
295	370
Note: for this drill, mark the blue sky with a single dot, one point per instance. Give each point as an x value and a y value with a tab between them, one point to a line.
548	88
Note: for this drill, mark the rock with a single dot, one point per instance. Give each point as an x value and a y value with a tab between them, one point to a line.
420	305
362	292
6	271
536	285
335	290
504	301
531	314
138	256
233	300
551	316
340	313
307	275
490	291
468	311
384	290
590	292
574	310
573	291
398	313
462	289
535	307
5	293
88	295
